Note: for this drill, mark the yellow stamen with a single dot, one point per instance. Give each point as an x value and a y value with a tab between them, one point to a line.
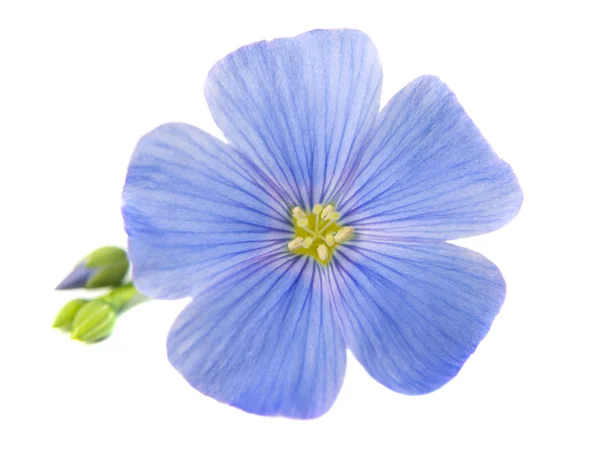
326	211
329	239
344	234
298	213
295	244
318	232
307	242
322	252
333	216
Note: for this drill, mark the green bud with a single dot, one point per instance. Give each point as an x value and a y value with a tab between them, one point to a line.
65	316
93	322
104	267
111	265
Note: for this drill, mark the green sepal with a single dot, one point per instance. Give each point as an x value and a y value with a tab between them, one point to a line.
111	265
124	297
93	322
64	318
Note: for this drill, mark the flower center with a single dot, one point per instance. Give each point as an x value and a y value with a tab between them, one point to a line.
318	233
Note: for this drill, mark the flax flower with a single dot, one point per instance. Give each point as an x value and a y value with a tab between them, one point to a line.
320	226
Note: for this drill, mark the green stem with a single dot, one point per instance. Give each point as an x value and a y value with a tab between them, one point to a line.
124	297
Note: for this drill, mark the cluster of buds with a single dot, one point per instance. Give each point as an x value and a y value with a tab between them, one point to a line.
92	320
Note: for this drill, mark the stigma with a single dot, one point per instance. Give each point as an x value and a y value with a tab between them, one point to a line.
318	232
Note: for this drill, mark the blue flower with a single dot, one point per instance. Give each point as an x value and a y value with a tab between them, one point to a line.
320	226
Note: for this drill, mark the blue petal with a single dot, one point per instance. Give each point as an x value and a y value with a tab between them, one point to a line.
192	209
429	173
299	107
413	313
262	338
77	278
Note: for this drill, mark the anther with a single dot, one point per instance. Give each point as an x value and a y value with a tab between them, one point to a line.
326	211
344	234
333	216
307	242
322	252
295	244
298	213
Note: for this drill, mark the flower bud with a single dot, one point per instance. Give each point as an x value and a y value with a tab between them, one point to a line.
103	267
64	318
93	322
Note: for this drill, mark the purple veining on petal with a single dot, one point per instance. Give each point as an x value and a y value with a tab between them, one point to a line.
267	328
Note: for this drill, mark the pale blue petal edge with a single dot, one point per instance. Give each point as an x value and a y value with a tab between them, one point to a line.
428	173
192	209
300	107
413	313
262	338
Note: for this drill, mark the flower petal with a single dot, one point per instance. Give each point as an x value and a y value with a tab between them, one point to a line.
77	278
192	209
263	339
413	313
299	107
429	173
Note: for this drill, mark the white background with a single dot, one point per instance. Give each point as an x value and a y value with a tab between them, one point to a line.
80	82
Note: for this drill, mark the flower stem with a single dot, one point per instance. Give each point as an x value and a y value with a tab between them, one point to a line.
124	297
